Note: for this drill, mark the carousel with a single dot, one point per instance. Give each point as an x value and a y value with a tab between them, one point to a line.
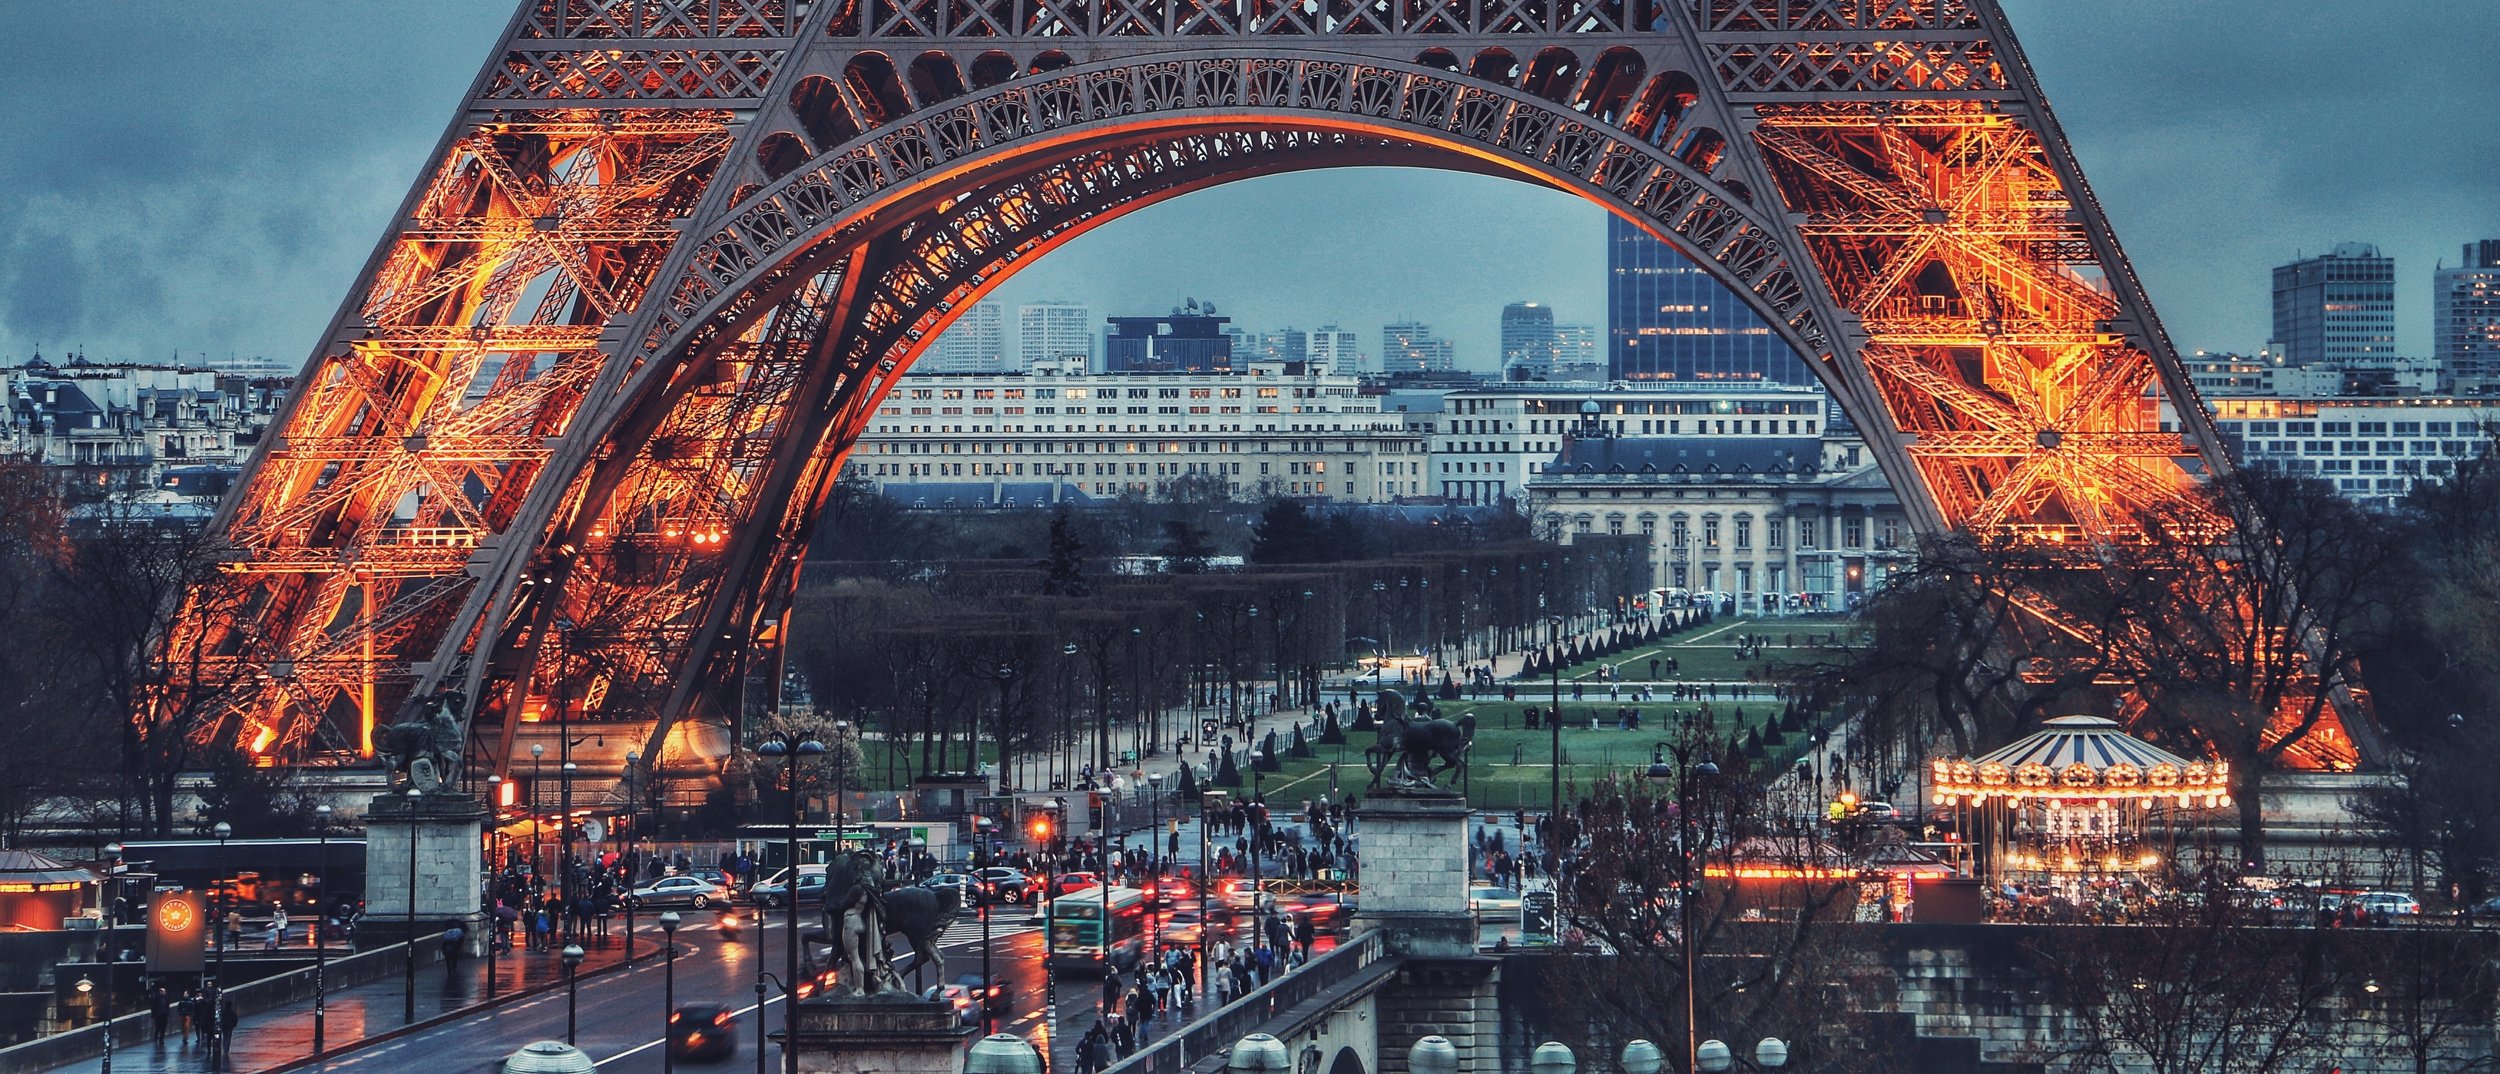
2079	812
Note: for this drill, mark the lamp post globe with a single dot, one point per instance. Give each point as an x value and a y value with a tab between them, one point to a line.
1432	1055
1643	1057
1771	1053
1553	1057
1713	1057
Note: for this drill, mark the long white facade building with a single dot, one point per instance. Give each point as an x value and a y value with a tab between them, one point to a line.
1056	433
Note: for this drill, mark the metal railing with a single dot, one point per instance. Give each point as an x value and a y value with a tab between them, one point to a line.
1217	1032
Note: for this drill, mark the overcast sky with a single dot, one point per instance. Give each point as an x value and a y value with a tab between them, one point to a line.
206	178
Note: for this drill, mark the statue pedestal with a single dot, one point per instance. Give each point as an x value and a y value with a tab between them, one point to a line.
855	1036
444	890
1414	859
1414	873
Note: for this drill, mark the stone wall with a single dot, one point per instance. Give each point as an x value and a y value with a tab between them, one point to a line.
449	862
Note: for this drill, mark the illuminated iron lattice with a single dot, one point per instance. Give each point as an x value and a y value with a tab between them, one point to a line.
574	419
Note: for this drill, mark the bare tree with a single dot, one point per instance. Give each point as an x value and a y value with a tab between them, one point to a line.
2241	619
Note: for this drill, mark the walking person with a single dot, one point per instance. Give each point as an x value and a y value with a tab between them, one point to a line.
160	1009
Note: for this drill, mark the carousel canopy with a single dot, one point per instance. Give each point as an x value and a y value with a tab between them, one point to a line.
2080	757
28	867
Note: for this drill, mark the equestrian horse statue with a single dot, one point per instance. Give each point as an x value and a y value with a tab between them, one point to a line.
1410	753
861	913
424	750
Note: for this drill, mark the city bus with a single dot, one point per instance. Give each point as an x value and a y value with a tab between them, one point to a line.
1075	929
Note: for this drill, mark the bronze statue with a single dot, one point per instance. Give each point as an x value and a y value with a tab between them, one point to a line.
861	912
424	750
1410	753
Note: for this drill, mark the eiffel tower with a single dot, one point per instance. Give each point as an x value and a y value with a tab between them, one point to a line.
560	448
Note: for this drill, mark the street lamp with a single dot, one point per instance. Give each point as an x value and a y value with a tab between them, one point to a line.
1154	857
572	955
105	1003
217	982
633	764
1685	775
321	938
1553	719
408	1013
1006	775
564	836
537	835
668	995
791	746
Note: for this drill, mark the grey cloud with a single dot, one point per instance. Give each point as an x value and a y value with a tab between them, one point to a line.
209	177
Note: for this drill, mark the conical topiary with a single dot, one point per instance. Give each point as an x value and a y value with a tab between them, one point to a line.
1226	774
1329	733
1300	747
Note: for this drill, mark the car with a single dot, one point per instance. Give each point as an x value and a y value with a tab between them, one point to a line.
2389	903
991	999
1491	900
692	892
962	885
1329	911
1068	883
1184	927
1877	810
960	998
772	895
1004	884
1240	896
703	1031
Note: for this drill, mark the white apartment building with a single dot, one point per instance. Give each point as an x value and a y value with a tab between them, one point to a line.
1336	348
975	343
2372	449
1057	433
1050	331
1488	442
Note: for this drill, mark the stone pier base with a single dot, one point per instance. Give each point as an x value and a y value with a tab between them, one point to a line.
880	1037
1414	874
445	829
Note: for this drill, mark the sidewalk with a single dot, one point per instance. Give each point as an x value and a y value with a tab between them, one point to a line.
282	1036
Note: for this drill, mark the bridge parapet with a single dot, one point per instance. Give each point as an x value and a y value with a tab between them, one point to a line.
1294	1003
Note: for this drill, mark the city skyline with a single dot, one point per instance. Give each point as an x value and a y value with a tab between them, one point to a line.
219	209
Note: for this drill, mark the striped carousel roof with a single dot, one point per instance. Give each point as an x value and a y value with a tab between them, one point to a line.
2079	757
2092	741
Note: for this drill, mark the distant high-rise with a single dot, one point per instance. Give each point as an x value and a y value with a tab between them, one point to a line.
1527	341
2337	308
1046	331
1336	347
1669	320
2465	320
1576	356
975	343
1410	347
1287	344
1190	340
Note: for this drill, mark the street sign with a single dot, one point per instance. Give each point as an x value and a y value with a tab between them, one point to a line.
177	933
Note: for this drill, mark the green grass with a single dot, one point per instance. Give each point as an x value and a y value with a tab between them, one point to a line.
1709	654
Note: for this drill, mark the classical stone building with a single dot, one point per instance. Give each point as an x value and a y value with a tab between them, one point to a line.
1769	523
